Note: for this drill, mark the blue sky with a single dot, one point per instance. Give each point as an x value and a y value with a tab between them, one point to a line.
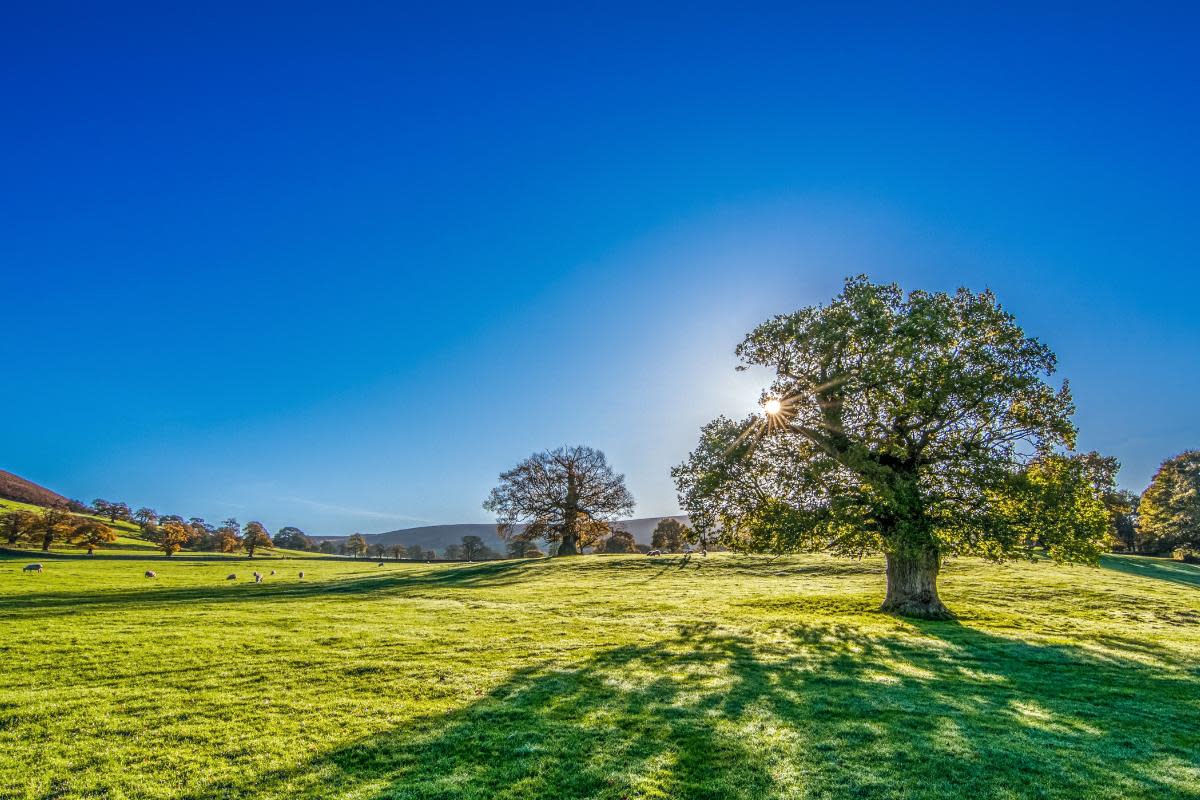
339	265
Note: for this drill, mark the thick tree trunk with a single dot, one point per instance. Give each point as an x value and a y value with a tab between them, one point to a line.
568	547
912	584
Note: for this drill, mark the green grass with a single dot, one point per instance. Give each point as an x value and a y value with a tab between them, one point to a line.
605	677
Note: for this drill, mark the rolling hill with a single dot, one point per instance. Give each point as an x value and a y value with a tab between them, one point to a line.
437	537
14	487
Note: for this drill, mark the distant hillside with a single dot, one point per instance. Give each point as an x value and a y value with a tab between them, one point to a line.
14	487
437	537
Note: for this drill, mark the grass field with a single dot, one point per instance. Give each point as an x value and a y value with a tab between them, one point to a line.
607	677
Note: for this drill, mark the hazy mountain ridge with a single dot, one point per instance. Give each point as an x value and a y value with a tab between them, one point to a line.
437	537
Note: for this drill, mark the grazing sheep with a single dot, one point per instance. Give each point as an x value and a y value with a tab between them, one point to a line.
301	576
258	577
151	573
32	568
654	553
381	563
231	577
272	572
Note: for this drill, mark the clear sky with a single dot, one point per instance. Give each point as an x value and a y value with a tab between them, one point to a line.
338	265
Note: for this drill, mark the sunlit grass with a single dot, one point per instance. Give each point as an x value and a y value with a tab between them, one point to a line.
609	677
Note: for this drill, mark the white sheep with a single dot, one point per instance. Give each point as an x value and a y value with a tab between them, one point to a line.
258	577
151	573
32	568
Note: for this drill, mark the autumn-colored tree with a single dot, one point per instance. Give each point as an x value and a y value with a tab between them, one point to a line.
255	537
356	545
17	526
91	534
892	424
172	536
1169	512
51	524
568	496
227	538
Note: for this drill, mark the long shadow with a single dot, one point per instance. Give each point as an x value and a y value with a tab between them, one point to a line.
1158	568
490	573
940	711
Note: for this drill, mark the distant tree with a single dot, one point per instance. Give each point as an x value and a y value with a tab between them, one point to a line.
51	524
227	538
669	535
342	549
16	526
430	555
292	538
255	537
1055	500
619	542
377	550
91	534
327	547
145	516
892	425
114	511
472	547
79	507
1126	522
399	551
1169	512
566	496
356	545
522	548
454	552
172	536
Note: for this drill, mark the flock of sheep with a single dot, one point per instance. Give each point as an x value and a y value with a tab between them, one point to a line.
258	576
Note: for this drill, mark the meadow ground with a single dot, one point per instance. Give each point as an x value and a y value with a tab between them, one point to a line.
606	677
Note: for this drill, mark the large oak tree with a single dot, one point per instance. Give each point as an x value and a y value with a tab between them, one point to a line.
568	496
900	424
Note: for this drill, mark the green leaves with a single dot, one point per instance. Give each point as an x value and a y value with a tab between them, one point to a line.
906	420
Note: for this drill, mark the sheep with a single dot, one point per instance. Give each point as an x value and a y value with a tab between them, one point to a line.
654	553
231	577
151	573
301	575
257	577
381	563
32	568
272	572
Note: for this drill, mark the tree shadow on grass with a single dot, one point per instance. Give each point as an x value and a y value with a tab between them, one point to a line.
1158	568
937	710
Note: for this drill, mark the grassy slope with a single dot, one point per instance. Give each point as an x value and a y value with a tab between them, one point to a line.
129	540
609	677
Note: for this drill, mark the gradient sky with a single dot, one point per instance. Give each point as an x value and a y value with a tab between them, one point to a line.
339	265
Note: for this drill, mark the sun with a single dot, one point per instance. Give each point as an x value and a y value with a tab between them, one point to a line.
773	406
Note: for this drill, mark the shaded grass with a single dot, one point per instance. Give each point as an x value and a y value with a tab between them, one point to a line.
607	677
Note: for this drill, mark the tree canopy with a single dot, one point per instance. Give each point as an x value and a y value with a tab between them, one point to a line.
568	496
898	422
1169	512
